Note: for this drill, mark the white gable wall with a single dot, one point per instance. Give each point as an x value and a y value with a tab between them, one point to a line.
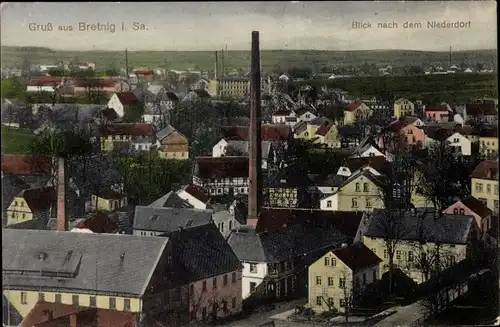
371	152
115	104
219	149
462	144
330	203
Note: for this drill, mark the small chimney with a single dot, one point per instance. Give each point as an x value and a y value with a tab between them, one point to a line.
61	197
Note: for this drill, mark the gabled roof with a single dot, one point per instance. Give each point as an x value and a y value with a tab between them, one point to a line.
324	128
379	163
400	100
357	256
45	81
269	132
439	134
242	147
110	264
282	112
167	131
221	167
165	220
20	164
318	121
11	186
476	206
435	109
39	199
354	105
481	109
331	180
488	132
447	229
299	127
170	200
127	129
197	193
378	181
203	252
292	176
99	222
127	98
487	169
398	125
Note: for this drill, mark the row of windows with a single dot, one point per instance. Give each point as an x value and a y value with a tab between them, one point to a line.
75	300
220	226
330	301
204	312
225	282
480	189
410	256
366	187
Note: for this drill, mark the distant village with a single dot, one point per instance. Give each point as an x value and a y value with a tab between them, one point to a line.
309	195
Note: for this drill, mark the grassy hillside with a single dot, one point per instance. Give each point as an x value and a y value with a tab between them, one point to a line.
16	140
271	59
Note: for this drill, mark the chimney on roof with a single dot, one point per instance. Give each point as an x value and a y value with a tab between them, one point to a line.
255	151
61	197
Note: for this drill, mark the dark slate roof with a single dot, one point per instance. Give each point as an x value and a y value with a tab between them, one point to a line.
169	219
10	315
292	176
331	180
203	252
282	244
170	200
107	263
448	229
357	256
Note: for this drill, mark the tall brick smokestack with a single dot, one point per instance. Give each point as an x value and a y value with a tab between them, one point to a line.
255	153
216	68
61	196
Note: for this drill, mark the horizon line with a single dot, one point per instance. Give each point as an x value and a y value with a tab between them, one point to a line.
229	50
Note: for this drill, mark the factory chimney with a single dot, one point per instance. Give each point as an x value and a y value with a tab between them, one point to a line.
255	153
61	197
216	73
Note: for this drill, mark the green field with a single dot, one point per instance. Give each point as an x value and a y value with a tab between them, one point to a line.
16	140
270	59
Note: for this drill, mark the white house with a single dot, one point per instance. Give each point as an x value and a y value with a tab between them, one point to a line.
457	118
283	116
230	148
157	109
119	101
460	143
194	196
305	115
367	148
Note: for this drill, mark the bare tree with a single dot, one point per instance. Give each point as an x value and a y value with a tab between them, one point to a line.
348	286
208	303
94	90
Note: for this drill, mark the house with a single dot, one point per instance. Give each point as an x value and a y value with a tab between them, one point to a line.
36	171
439	114
154	221
283	116
16	114
121	101
483	112
484	184
44	84
45	314
403	107
287	188
360	192
97	222
274	261
367	148
276	133
127	137
225	148
377	165
226	219
172	144
356	110
196	95
90	262
221	176
109	201
305	114
471	206
194	196
11	186
339	277
488	142
97	86
426	238
459	143
313	126
235	87
201	84
401	133
323	185
157	110
328	135
31	204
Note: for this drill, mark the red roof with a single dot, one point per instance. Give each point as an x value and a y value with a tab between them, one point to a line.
481	109
476	206
95	82
436	109
39	199
398	125
354	105
269	132
197	193
45	81
282	112
487	169
144	72
379	163
127	98
100	222
20	164
127	129
324	128
357	256
221	167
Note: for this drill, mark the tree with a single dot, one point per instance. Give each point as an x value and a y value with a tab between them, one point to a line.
94	91
414	70
348	288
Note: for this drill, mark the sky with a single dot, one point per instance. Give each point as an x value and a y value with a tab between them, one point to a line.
282	25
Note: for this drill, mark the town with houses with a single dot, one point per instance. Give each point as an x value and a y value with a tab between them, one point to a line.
172	198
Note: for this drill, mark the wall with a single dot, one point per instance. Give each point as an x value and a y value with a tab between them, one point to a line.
371	152
219	148
487	191
32	297
332	206
108	142
184	155
200	299
488	146
466	211
106	204
366	201
437	116
248	277
405	108
115	104
413	134
460	142
18	211
283	197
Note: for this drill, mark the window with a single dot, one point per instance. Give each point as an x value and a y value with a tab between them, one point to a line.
224	280
368	203
479	187
386	254
204	286
455	211
358	187
253	268
374	274
495	205
24	298
15	203
330	281
341	282
461	211
41	296
58	298
364	278
93	302
366	187
233	277
253	287
374	250
334	262
329	203
488	188
410	256
222	227
398	255
327	261
330	302
230	225
112	303
318	300
354	203
75	299
233	303
342	303
318	280
496	189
